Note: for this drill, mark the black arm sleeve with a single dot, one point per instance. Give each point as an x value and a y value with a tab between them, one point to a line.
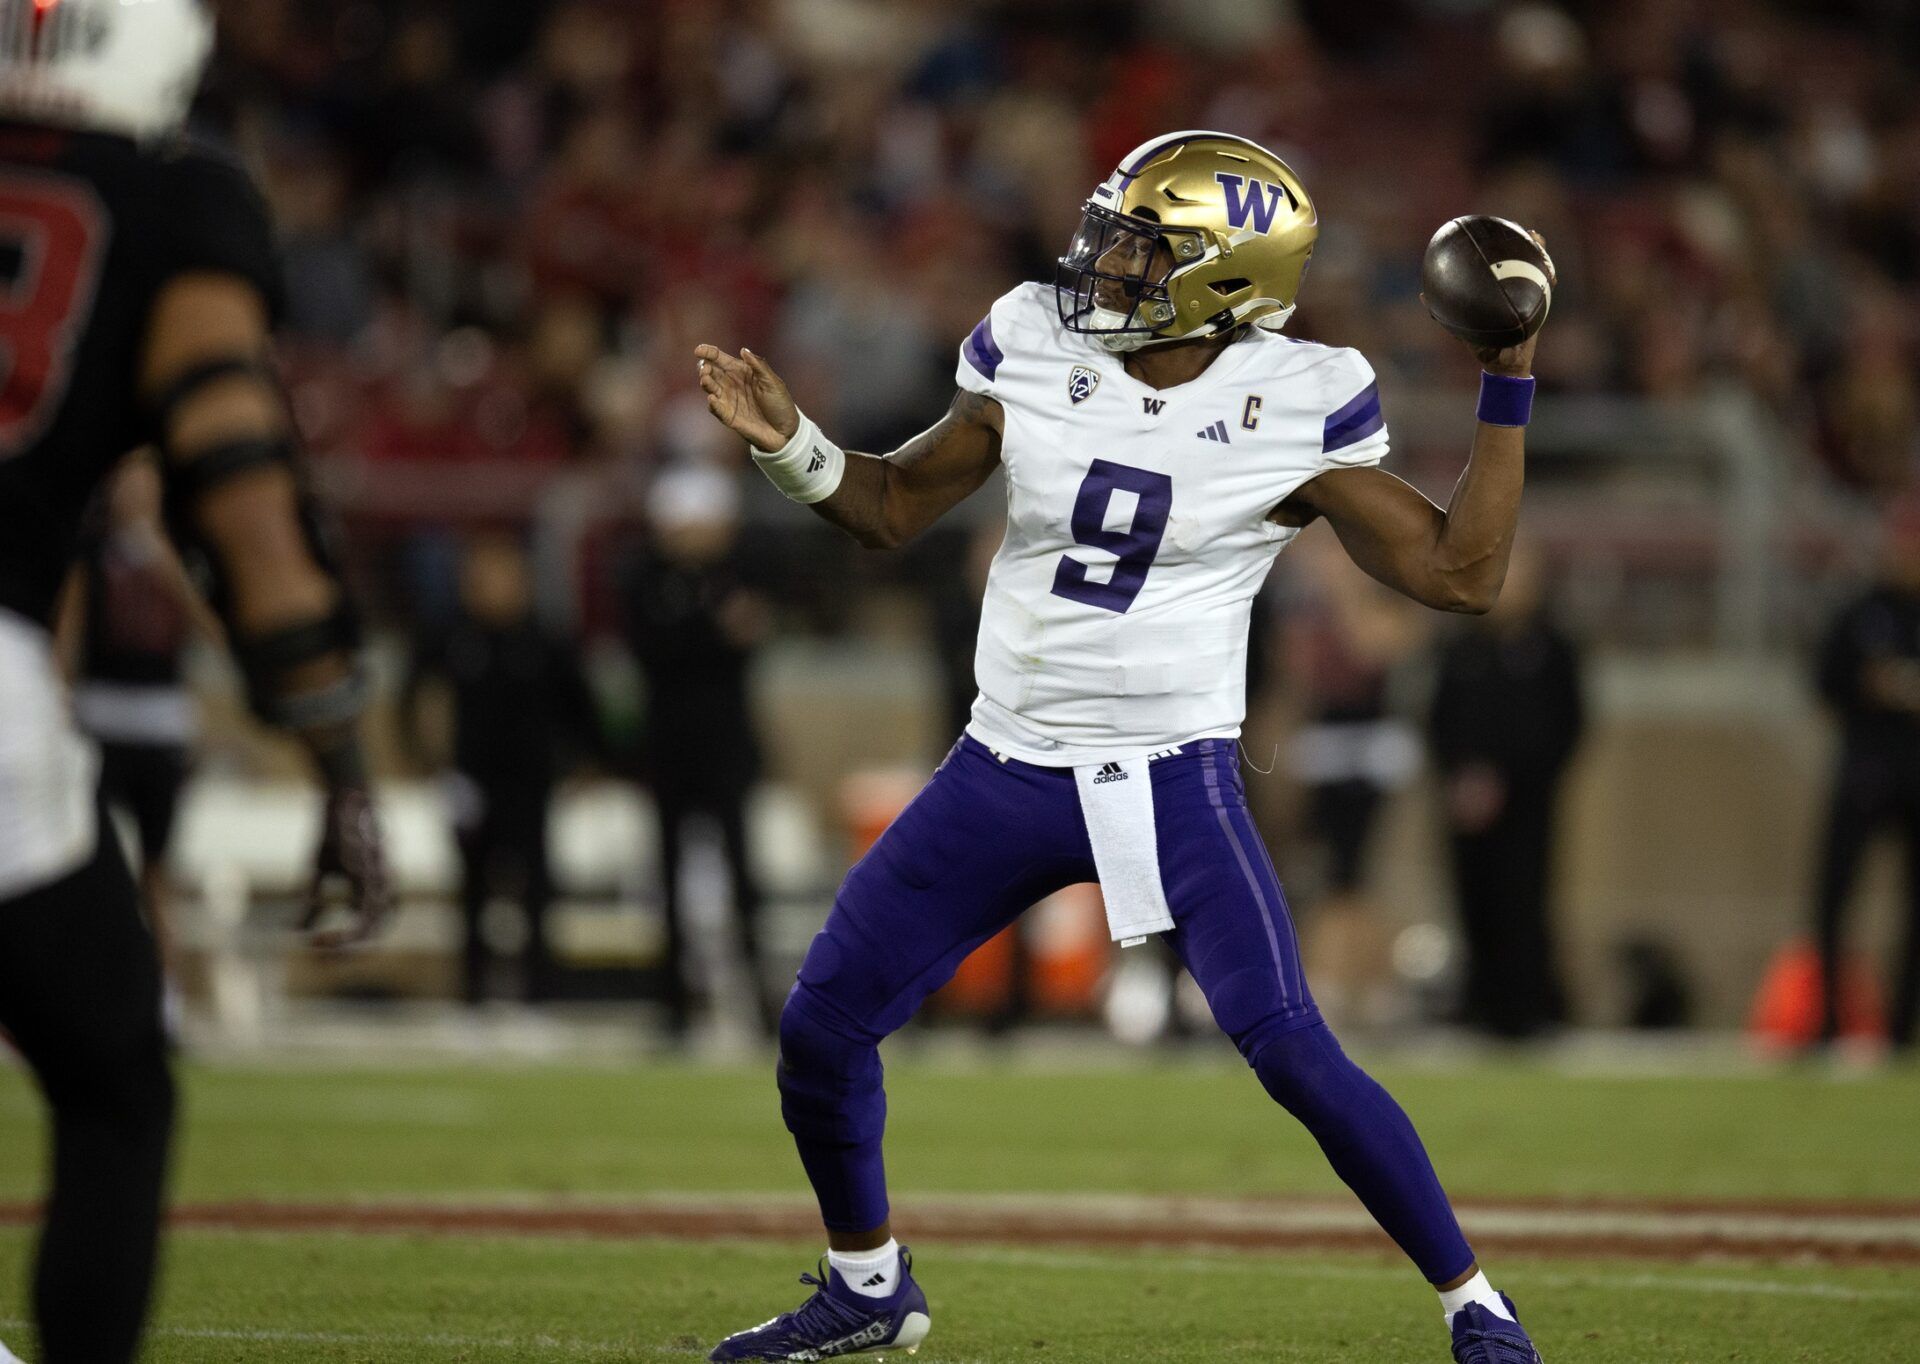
206	216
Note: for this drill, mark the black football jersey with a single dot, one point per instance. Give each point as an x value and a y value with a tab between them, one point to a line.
92	228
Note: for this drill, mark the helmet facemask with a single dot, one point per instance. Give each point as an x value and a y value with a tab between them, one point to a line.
1113	280
1196	234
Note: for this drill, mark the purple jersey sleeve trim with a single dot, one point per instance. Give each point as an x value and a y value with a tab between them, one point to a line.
981	352
1356	421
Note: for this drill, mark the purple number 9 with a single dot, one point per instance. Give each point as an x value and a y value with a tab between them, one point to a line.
1136	546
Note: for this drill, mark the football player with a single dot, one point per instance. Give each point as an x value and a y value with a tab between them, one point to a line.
1162	441
139	287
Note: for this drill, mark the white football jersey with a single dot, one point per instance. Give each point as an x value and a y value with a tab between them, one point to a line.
48	772
1115	621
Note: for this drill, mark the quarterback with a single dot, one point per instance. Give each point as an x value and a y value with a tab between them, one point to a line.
1162	441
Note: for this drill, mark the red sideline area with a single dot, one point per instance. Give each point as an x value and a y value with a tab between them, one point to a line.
1877	1233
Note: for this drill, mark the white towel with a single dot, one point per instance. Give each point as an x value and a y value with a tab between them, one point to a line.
1116	799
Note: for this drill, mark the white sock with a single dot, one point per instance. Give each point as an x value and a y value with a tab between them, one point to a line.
9	1357
1476	1289
870	1273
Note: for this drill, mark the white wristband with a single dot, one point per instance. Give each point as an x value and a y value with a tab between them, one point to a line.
808	468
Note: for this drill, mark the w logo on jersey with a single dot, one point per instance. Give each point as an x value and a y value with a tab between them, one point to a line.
1254	200
1081	383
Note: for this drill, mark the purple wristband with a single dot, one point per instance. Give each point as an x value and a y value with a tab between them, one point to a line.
1505	400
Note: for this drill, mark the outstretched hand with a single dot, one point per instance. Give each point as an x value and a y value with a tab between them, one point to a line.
748	397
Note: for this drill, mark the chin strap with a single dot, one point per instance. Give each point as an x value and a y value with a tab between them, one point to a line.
1277	320
1142	341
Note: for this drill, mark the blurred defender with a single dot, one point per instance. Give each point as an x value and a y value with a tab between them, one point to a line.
1162	443
138	274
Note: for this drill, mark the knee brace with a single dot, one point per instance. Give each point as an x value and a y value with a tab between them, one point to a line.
830	1085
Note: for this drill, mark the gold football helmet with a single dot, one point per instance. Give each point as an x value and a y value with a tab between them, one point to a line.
1195	234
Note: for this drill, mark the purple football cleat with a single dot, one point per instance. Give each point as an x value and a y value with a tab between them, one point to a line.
838	1321
1481	1337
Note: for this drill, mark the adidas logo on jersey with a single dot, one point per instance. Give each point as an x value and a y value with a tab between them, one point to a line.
1218	431
1111	772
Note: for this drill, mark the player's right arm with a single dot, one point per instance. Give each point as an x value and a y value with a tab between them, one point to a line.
883	501
223	424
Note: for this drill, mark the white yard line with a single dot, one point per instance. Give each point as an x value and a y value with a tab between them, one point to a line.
1015	1216
545	1345
1308	1215
1209	1263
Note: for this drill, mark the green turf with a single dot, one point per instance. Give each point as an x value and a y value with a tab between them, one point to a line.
1503	1129
375	1300
1494	1130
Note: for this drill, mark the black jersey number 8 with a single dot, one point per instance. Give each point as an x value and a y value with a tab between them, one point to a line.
56	228
1135	547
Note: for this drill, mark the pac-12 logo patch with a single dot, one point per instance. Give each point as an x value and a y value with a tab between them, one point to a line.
1081	383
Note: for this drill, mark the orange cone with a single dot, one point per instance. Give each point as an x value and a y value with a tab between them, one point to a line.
1787	1010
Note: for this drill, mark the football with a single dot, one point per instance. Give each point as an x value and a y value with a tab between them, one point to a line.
1487	281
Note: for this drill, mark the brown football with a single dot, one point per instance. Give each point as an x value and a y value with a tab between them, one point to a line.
1487	281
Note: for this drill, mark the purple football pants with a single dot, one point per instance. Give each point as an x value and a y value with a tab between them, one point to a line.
988	838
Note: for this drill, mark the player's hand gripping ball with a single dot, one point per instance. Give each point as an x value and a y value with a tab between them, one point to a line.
1488	281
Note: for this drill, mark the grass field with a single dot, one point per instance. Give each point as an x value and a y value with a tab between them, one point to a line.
614	1136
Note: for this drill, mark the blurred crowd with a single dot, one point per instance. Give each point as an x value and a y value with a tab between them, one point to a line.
506	225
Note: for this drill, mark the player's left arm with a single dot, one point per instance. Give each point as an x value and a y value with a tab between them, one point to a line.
1452	558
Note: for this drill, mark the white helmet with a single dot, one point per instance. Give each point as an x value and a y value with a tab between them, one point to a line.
120	66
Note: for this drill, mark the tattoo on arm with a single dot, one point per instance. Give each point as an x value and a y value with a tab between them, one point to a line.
968	409
886	500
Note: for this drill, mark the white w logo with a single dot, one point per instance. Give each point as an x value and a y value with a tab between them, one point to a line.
1253	199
